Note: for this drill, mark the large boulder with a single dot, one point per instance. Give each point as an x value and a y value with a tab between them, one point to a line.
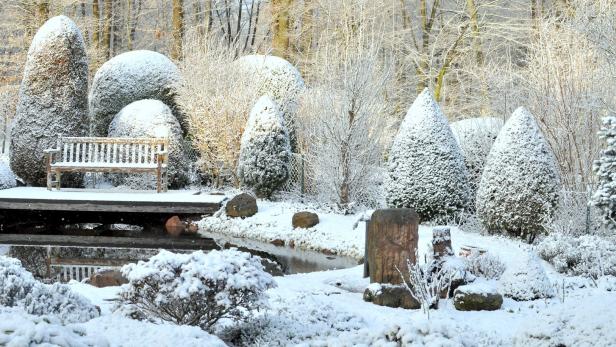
151	118
107	278
479	296
52	99
278	79
242	205
305	219
129	77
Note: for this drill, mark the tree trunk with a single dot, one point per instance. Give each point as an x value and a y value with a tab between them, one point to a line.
96	13
42	12
178	29
391	240
107	12
280	27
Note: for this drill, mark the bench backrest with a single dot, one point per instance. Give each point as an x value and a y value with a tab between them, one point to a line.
113	150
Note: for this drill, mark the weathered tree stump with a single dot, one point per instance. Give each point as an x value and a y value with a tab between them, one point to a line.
441	242
391	239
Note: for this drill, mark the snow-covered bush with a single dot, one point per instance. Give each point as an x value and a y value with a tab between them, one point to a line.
475	136
605	169
217	99
52	99
265	153
485	265
152	118
7	177
196	289
60	301
128	77
426	169
587	255
526	280
520	185
17	328
277	78
15	281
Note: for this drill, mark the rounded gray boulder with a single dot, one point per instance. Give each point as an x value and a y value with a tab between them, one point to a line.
151	118
52	99
129	77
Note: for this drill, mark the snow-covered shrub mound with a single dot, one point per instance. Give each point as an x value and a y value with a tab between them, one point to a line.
485	265
526	280
15	281
196	289
520	185
52	99
475	137
265	153
277	78
426	169
152	118
18	328
60	301
128	77
605	169
7	177
587	255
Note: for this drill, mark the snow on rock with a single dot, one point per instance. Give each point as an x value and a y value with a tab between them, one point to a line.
475	137
265	152
17	328
52	99
426	169
151	118
7	177
526	280
129	77
520	184
59	301
605	169
280	80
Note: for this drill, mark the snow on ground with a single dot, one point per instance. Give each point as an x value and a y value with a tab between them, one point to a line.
340	234
327	309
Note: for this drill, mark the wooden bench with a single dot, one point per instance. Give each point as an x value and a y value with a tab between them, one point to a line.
108	154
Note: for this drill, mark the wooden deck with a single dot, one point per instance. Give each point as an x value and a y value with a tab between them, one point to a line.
93	200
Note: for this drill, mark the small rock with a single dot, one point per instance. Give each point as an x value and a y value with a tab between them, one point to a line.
242	205
477	297
107	278
390	295
277	242
328	252
192	228
292	243
174	226
305	219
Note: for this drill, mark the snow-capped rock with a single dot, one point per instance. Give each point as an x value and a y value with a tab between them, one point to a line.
52	99
280	80
426	169
605	169
475	137
151	118
520	184
130	77
265	152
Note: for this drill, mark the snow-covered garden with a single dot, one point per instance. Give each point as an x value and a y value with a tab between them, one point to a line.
506	252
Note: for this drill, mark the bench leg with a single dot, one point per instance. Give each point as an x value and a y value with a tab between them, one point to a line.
158	180
58	178
49	180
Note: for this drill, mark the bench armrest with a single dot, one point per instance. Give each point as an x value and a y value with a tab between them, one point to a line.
51	150
163	152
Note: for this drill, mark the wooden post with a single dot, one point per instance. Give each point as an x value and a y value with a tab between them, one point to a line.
392	236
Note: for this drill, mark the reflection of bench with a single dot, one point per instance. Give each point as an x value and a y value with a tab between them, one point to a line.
107	154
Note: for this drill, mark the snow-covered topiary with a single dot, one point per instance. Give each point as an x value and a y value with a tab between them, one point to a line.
7	177
15	281
526	280
151	118
520	185
197	288
52	99
426	169
475	137
605	169
277	78
17	328
129	77
59	301
265	152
